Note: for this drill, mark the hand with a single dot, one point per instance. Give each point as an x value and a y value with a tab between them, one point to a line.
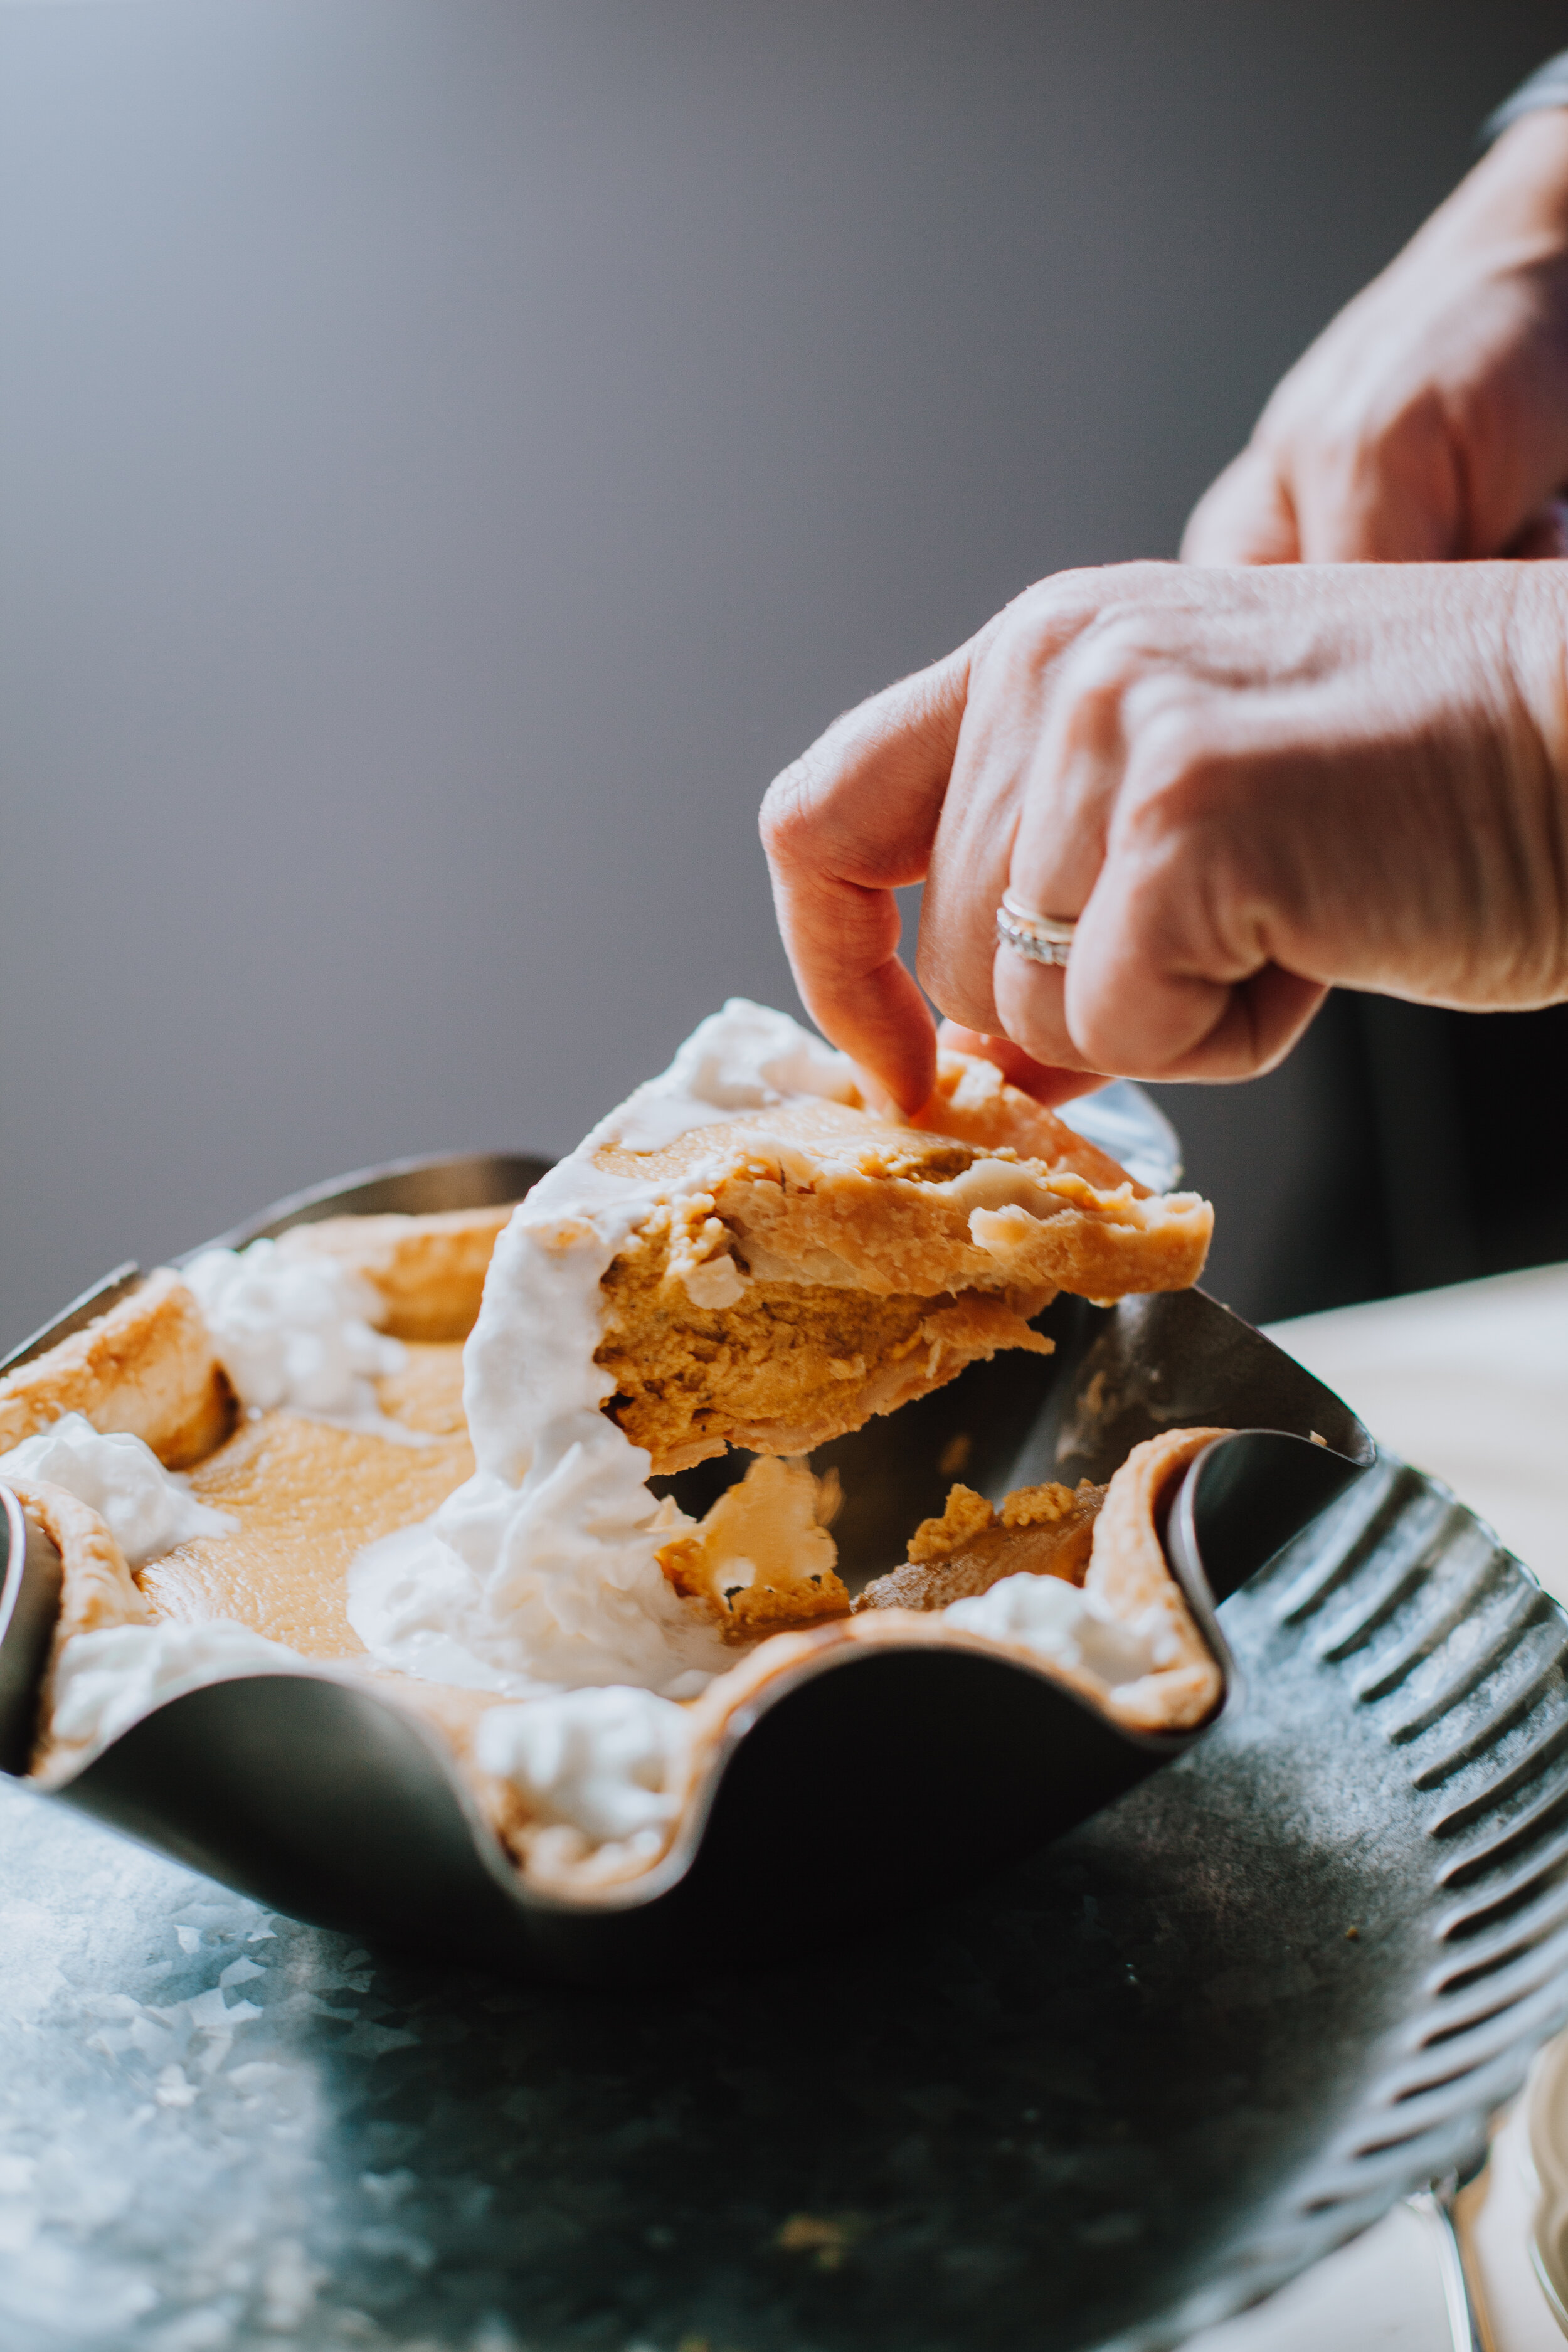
1430	420
1249	785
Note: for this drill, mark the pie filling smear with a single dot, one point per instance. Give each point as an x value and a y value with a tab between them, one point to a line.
416	1450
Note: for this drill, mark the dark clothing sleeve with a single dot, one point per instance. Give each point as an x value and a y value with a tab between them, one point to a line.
1548	86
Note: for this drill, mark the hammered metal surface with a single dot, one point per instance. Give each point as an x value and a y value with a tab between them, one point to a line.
1116	2092
1121	2090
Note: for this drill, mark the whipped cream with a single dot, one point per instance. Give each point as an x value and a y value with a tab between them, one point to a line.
146	1508
539	1573
746	1057
1070	1627
105	1681
295	1333
609	1765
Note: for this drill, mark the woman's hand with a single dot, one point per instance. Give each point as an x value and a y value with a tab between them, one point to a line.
1430	420
1249	784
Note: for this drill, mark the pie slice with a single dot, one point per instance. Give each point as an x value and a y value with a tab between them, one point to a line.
774	1262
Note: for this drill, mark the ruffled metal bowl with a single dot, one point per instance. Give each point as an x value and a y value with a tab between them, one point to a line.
1347	1897
857	1782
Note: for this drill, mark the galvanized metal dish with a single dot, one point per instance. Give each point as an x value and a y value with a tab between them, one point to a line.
323	1799
1209	2064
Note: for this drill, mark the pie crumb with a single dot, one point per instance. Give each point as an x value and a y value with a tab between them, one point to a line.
967	1515
1038	1507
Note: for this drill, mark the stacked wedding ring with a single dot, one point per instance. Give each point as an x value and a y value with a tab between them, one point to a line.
1039	938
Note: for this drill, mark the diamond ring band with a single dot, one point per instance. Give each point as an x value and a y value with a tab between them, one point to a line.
1038	938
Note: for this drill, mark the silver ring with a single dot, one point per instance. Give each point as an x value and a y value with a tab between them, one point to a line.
1038	938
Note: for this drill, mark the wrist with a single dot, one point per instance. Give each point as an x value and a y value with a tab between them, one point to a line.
1534	773
1529	165
1545	89
1519	190
1536	653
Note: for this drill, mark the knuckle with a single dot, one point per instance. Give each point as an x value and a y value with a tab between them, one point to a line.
1111	657
1181	772
1027	631
786	816
804	809
1139	625
1364	453
1055	613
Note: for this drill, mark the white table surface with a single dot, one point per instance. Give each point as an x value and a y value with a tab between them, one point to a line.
1471	1384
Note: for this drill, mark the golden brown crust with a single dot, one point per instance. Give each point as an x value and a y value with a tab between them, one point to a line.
430	1270
148	1365
1127	1571
973	1100
1100	1246
1041	1531
97	1590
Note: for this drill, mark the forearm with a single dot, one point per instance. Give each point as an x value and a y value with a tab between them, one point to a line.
1430	420
1518	191
1530	851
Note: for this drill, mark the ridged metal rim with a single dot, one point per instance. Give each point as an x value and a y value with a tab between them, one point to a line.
1388	1590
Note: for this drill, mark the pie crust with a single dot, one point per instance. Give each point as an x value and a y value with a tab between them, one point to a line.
148	1367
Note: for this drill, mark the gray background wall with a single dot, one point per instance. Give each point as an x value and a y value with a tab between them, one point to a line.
454	452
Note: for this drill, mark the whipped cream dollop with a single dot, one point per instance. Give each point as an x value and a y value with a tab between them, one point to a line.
296	1334
1070	1627
146	1508
610	1767
107	1680
539	1573
745	1057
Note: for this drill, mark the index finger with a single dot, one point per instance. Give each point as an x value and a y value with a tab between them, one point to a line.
845	825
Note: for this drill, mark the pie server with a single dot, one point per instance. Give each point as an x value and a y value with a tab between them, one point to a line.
862	1781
